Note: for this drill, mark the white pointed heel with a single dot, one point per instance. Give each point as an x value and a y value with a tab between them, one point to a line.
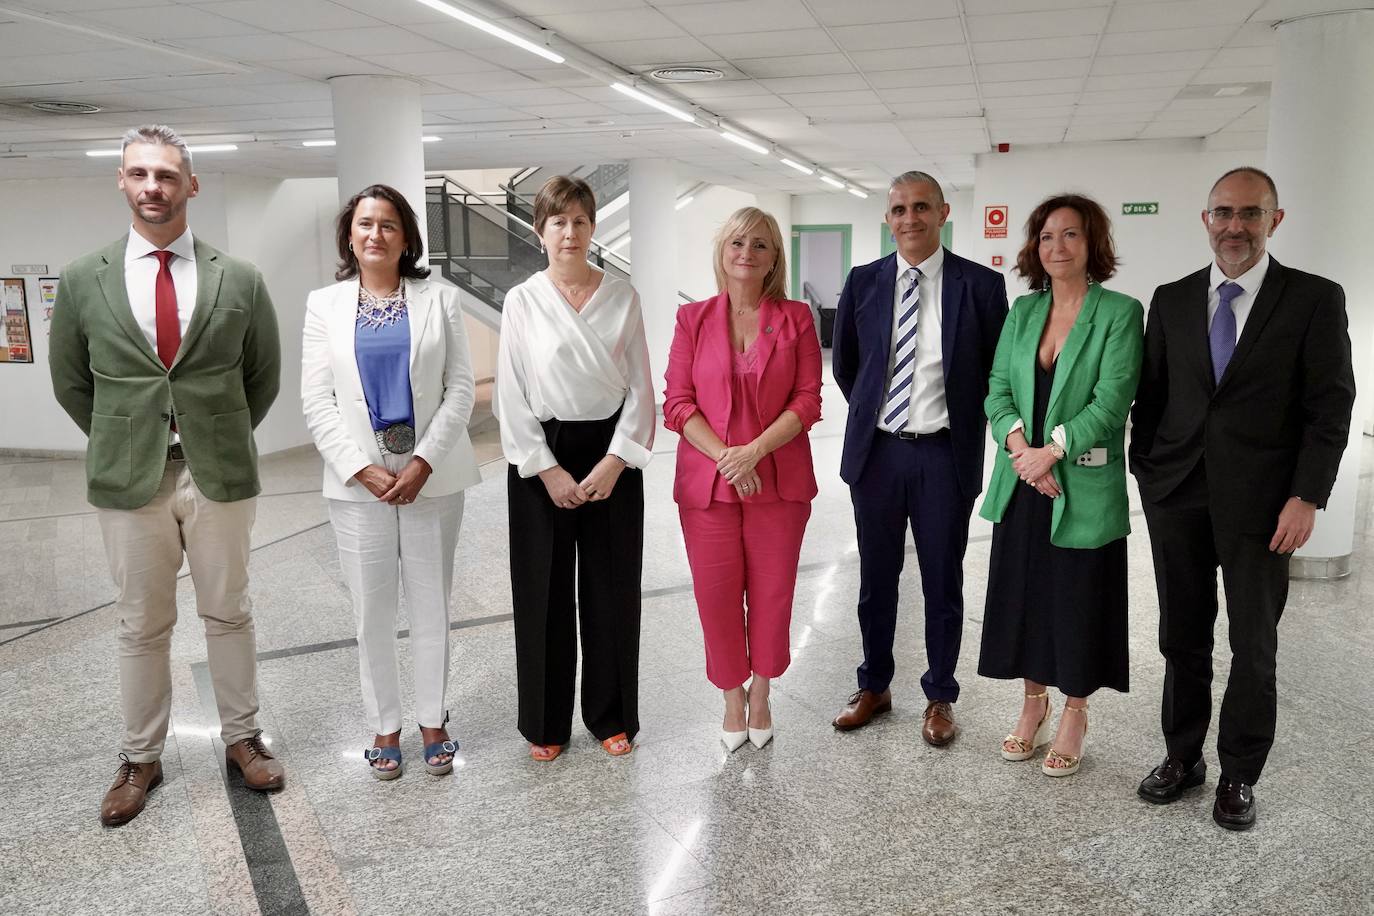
733	741
761	736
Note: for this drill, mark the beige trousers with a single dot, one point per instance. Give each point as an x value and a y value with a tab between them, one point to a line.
144	547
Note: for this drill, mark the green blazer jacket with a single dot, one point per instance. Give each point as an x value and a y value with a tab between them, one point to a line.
1094	384
108	377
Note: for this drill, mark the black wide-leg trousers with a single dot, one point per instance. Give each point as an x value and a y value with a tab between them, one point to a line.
571	566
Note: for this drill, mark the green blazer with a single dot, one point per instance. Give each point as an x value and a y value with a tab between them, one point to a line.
109	378
1094	384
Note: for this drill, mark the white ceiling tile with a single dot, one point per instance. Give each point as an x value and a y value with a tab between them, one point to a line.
294	16
431	63
1115	114
322	66
1207	38
1138	94
490	80
933	76
1033	71
515	98
1151	63
1000	52
848	113
643	52
848	12
375	41
938	108
251	48
747	103
1045	105
782	43
799	65
154	23
835	83
1142	17
952	55
1254	35
1003	7
899	35
1245	57
555	7
958	92
1086	132
1044	24
718	89
1175	79
620	25
808	101
1039	88
733	18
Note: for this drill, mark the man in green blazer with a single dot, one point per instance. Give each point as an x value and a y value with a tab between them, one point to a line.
165	352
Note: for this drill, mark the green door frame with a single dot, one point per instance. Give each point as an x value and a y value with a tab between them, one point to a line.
846	239
889	244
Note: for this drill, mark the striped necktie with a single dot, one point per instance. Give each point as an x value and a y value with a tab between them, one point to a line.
904	369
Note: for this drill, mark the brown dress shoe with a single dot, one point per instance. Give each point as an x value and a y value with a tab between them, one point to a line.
261	770
863	706
129	793
939	728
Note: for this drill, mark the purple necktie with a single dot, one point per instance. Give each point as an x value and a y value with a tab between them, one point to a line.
1222	336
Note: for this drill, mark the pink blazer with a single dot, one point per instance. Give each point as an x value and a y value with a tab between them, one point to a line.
698	381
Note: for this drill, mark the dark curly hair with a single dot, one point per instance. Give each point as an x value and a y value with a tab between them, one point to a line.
411	268
1101	253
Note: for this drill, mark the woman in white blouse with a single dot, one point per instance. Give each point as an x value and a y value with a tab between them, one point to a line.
575	402
387	387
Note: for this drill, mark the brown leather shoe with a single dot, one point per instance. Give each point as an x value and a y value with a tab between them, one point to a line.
129	793
863	706
939	728
261	770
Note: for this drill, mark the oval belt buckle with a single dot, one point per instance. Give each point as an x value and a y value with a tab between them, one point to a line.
398	438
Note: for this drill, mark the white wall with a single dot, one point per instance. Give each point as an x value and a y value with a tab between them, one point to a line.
1152	249
839	208
697	225
285	227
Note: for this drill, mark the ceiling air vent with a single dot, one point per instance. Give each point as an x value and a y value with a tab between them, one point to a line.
686	74
65	107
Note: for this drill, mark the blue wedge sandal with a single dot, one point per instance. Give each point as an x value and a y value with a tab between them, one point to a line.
447	746
373	754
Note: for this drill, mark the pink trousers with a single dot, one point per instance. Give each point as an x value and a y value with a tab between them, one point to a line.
745	553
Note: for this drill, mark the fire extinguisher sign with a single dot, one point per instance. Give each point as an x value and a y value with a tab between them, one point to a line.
995	222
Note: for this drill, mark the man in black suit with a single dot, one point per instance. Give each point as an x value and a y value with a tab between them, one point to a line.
915	334
1238	429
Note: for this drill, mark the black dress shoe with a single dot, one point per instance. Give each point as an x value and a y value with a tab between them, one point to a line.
1235	805
1168	781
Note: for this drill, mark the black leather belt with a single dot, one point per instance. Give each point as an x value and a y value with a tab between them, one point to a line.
912	437
174	453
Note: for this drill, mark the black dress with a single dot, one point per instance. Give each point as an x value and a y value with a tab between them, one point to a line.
1054	615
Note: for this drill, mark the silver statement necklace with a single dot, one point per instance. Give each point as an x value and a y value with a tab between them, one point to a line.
377	312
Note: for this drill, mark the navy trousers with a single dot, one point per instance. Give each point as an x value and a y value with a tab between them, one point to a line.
911	482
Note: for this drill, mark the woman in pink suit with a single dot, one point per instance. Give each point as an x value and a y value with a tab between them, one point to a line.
744	386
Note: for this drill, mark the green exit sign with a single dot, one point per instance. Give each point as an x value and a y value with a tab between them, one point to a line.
1149	208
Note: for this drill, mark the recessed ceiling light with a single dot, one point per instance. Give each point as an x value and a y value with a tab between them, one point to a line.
52	107
208	148
1231	90
686	74
314	143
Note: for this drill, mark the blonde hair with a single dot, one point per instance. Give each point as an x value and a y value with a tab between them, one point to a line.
742	222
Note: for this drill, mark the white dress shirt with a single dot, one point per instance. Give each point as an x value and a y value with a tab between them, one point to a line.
557	362
928	412
1250	282
140	280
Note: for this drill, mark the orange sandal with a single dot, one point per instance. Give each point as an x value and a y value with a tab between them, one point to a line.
610	745
545	752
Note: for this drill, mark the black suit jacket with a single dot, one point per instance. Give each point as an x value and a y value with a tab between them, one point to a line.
974	306
1276	424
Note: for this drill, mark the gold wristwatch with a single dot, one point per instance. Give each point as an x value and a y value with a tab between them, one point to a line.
1056	450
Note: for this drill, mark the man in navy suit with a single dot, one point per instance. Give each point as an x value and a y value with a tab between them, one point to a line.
914	339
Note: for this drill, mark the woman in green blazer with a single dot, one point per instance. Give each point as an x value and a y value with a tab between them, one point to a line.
1062	383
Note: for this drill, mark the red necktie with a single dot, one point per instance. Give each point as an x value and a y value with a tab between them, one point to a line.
168	321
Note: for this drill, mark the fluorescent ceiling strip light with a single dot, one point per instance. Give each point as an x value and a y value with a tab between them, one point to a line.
210	148
799	167
652	102
492	29
430	138
857	193
832	182
684	202
745	142
314	143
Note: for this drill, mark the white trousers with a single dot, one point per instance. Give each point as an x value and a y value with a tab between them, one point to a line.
380	546
144	547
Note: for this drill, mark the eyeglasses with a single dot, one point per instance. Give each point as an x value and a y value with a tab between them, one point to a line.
1246	214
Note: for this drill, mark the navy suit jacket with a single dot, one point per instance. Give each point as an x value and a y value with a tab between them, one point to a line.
974	307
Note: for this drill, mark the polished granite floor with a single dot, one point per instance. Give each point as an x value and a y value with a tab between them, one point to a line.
819	822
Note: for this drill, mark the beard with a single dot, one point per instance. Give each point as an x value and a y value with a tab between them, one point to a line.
157	217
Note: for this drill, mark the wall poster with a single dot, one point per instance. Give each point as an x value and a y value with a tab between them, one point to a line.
15	344
47	296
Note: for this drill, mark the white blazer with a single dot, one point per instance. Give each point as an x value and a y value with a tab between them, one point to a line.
441	387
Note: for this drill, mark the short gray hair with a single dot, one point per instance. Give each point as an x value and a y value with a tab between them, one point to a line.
157	135
915	176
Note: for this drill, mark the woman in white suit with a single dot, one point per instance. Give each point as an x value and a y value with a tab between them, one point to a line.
387	386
